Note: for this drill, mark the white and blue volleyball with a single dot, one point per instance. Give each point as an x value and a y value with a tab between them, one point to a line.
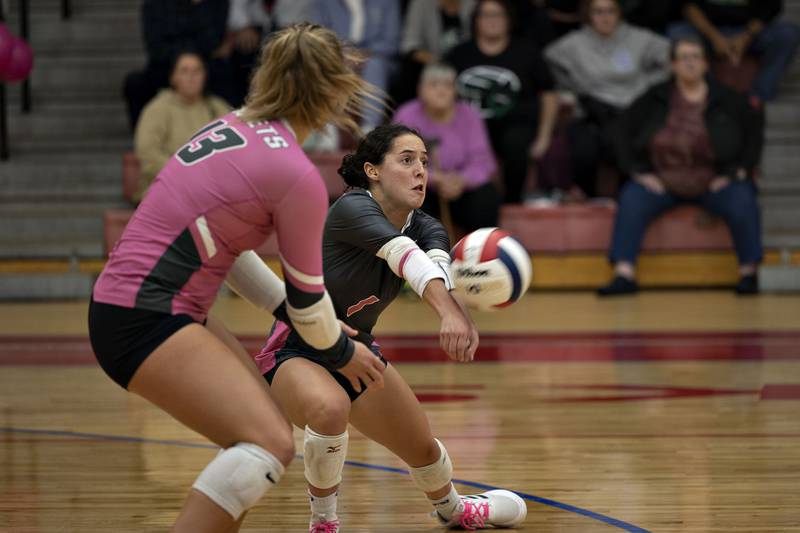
490	269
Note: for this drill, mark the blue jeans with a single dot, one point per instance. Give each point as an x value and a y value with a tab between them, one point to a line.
736	204
776	45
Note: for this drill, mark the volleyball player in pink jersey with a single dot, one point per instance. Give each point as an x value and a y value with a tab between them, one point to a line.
220	196
376	239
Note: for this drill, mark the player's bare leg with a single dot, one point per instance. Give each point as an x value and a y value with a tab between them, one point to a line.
315	402
394	418
197	379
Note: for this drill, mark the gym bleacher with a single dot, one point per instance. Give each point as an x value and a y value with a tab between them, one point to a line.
70	171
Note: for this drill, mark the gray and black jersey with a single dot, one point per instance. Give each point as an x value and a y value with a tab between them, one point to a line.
360	283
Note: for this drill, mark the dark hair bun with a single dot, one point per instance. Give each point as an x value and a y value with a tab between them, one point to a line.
352	173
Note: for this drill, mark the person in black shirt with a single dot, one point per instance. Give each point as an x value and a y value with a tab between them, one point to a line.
376	238
171	27
735	27
510	83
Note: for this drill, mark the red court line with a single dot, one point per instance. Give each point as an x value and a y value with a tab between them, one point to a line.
561	347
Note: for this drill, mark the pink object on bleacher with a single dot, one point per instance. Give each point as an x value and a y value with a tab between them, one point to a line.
19	63
6	44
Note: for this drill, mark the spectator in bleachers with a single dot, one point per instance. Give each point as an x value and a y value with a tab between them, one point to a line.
509	82
373	26
431	28
249	23
461	159
606	64
688	140
173	116
734	28
170	27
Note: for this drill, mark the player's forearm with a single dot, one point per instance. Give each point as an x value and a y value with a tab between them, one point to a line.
440	299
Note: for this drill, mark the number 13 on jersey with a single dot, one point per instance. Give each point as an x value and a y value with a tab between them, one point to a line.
216	137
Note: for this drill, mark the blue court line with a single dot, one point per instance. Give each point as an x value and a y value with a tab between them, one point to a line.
482	486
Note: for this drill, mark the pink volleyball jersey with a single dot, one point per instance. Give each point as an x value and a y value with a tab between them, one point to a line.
221	194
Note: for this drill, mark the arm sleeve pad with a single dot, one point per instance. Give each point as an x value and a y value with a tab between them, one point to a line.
409	262
441	259
253	280
318	327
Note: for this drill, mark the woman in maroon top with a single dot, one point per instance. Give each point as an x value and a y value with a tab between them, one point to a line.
688	140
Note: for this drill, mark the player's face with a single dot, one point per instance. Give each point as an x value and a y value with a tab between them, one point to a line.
403	174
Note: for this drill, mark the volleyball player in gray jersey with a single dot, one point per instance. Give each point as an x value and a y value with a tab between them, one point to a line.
375	239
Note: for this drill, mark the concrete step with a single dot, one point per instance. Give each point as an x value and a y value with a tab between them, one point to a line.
80	8
29	225
62	248
89	32
72	169
780	213
76	121
45	286
779	160
87	96
54	75
783	185
785	239
783	112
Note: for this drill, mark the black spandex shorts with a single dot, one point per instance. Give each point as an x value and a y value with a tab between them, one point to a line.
122	338
296	349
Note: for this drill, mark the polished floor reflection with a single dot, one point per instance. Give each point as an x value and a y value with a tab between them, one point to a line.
668	412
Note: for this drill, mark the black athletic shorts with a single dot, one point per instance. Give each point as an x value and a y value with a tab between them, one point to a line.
122	337
296	348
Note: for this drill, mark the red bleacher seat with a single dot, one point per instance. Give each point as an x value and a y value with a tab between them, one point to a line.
131	176
560	230
587	228
114	222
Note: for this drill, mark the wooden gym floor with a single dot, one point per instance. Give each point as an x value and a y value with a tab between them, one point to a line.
665	412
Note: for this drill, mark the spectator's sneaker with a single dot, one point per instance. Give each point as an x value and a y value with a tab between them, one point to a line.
619	285
323	526
747	285
496	508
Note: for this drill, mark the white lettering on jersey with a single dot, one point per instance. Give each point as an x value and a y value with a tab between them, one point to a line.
271	137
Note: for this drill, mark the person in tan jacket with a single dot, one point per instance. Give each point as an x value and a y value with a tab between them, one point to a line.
173	116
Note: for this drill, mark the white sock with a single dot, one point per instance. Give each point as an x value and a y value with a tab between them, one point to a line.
323	507
447	504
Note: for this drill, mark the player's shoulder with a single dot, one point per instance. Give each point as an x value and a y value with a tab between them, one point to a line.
421	217
354	200
422	223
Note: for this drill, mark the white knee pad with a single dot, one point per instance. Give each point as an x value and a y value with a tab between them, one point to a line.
434	476
238	477
324	458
